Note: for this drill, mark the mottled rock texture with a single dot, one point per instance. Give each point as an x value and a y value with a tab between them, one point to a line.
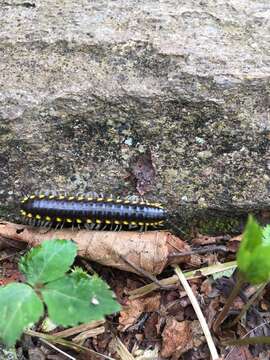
85	86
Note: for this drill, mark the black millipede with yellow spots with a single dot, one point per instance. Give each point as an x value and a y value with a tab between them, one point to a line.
90	211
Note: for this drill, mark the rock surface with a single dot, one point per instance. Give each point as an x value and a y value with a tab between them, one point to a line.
86	86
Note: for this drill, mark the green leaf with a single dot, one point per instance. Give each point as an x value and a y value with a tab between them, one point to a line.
258	270
253	234
252	238
77	298
266	235
20	308
254	253
48	261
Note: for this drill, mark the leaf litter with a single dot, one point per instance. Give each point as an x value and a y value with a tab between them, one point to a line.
161	323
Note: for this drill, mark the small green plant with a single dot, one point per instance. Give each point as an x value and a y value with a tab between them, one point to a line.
71	297
254	267
254	253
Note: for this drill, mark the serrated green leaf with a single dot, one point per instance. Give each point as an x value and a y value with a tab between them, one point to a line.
252	238
253	234
49	261
20	307
266	235
258	270
77	298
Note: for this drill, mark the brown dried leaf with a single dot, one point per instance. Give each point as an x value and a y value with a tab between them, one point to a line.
134	308
179	337
149	251
239	353
143	172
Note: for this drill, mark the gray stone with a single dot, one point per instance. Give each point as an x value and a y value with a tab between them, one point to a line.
79	79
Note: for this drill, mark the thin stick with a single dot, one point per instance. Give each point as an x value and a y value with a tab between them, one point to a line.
198	311
201	250
57	349
205	271
144	273
66	343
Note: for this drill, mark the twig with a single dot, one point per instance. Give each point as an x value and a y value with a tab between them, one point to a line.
144	273
205	271
66	343
201	250
198	311
57	349
122	351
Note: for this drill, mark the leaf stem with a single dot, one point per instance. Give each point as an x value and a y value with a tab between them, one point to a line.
222	315
247	305
256	340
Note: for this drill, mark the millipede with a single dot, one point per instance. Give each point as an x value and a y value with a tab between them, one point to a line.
92	212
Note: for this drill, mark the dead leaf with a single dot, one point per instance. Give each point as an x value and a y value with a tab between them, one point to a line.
134	308
143	172
239	353
149	250
179	337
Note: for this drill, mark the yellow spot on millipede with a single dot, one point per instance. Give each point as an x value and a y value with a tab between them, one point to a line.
88	221
98	221
133	223
38	217
41	196
69	220
23	212
109	200
126	202
58	219
78	221
117	222
48	218
125	222
32	196
100	199
89	199
71	198
80	198
51	196
29	215
141	223
107	222
61	197
118	200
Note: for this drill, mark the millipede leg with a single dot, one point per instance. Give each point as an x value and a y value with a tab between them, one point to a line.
97	227
49	224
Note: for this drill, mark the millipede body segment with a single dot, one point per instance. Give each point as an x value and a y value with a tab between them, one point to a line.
90	211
